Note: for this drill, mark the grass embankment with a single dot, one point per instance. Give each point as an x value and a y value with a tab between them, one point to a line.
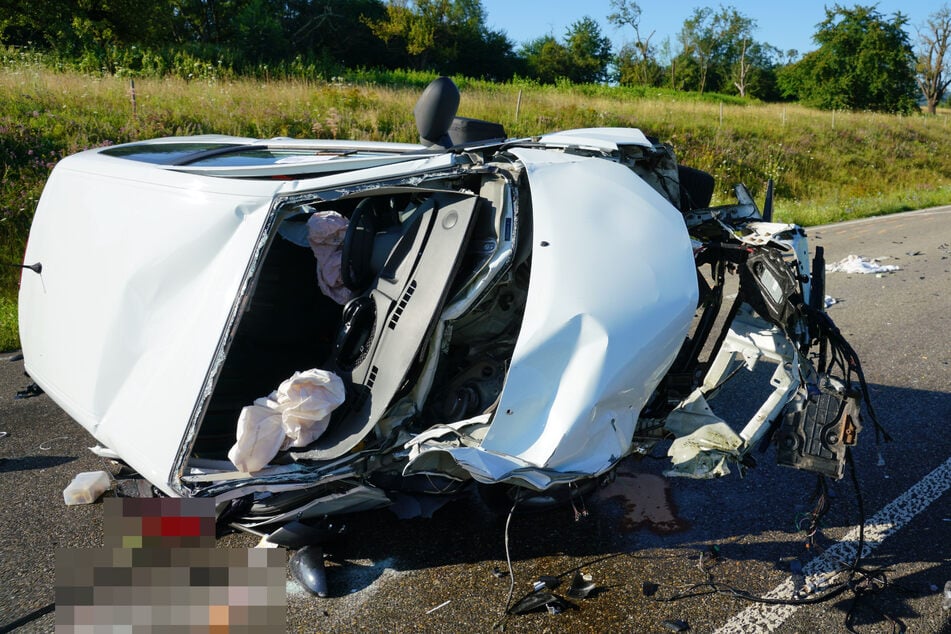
826	166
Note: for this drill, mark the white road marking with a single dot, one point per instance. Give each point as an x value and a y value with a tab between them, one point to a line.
761	617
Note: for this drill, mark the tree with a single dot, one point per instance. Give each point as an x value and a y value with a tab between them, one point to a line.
336	31
717	41
934	42
698	41
635	61
671	62
583	58
589	52
546	59
753	73
864	62
449	36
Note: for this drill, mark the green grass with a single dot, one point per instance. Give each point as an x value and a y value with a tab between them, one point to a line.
9	337
826	166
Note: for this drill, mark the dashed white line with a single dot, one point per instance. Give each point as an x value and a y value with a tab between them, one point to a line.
762	617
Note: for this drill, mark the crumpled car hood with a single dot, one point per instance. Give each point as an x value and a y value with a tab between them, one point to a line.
612	294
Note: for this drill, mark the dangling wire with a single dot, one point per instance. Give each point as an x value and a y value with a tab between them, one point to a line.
821	498
500	624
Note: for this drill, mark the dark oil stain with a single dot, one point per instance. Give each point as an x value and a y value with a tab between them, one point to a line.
646	501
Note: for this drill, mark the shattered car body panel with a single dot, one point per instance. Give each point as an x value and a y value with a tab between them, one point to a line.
610	299
524	312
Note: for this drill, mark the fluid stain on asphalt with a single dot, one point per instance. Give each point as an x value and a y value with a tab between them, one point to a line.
646	501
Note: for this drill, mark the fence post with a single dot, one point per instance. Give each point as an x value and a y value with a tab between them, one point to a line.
518	104
132	93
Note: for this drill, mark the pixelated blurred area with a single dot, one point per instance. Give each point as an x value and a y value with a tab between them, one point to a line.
159	571
158	523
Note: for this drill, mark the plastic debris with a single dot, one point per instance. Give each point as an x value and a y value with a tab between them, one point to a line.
581	586
264	543
86	487
546	581
860	264
946	604
541	599
104	452
676	625
439	607
532	601
29	391
499	574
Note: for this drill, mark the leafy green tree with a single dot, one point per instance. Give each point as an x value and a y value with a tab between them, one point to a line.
27	22
448	36
258	32
671	62
546	59
864	62
589	52
719	43
753	73
698	41
582	58
337	32
934	57
68	27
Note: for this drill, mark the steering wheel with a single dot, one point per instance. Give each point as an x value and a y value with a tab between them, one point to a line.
358	246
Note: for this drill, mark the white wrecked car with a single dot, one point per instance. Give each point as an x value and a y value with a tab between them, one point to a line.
315	327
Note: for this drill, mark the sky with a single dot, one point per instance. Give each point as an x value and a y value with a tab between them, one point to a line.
785	24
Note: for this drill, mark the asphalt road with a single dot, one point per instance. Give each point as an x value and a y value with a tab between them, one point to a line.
389	574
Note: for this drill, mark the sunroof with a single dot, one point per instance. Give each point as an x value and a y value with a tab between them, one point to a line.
220	154
164	153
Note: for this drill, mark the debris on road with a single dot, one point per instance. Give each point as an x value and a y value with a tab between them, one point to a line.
86	487
582	586
29	391
47	445
676	625
439	607
860	264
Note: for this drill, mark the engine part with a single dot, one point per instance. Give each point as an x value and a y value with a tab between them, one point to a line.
818	427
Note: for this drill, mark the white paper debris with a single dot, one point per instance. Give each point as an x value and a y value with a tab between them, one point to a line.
831	301
861	264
